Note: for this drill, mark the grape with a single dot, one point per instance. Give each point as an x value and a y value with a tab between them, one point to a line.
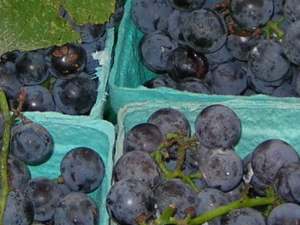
291	10
163	80
218	126
31	143
209	199
269	156
285	214
237	192
66	61
267	61
19	209
170	121
291	43
31	68
138	165
228	78
175	25
219	56
130	201
76	208
144	137
36	98
151	15
286	90
205	31
75	96
194	85
251	14
45	195
187	5
184	62
82	169
223	170
178	193
286	182
246	216
10	56
154	50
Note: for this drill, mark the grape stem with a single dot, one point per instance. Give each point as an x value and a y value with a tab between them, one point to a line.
274	27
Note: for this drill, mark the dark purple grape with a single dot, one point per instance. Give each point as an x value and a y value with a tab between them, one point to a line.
222	55
75	96
143	137
31	68
223	170
286	182
162	80
130	202
151	15
76	208
31	143
178	193
36	98
175	25
194	85
170	121
285	90
269	157
66	61
45	195
246	216
184	62
137	165
19	209
154	50
291	43
291	10
187	5
218	126
251	14
10	56
82	169
285	214
205	31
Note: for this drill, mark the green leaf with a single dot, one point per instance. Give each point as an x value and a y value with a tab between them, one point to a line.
32	24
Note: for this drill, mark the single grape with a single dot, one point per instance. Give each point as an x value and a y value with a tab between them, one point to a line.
285	214
194	85
163	80
291	10
76	208
130	202
82	169
246	216
31	143
291	43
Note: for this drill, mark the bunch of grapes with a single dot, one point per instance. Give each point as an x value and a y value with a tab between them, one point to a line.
168	175
233	47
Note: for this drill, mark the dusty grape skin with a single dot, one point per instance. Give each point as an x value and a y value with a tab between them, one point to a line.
286	213
194	85
179	193
82	169
76	208
291	43
175	25
162	80
246	216
128	200
269	156
291	10
137	165
218	126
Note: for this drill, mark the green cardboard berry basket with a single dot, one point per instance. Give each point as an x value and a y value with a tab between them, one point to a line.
128	73
260	120
69	132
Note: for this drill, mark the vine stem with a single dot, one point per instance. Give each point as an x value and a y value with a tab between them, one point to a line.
5	188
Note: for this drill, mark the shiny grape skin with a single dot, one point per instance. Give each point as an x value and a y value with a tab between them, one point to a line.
66	61
137	165
130	200
285	214
170	121
245	216
31	67
184	62
31	143
45	195
76	208
223	170
75	96
143	137
179	193
218	126
205	31
83	169
269	156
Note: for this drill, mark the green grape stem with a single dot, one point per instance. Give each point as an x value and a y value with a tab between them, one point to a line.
274	27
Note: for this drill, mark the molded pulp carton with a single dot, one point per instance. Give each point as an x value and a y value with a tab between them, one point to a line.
69	132
128	73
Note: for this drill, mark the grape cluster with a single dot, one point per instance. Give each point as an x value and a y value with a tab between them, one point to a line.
167	174
220	47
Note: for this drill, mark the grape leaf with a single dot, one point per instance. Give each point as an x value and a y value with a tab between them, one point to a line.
32	24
